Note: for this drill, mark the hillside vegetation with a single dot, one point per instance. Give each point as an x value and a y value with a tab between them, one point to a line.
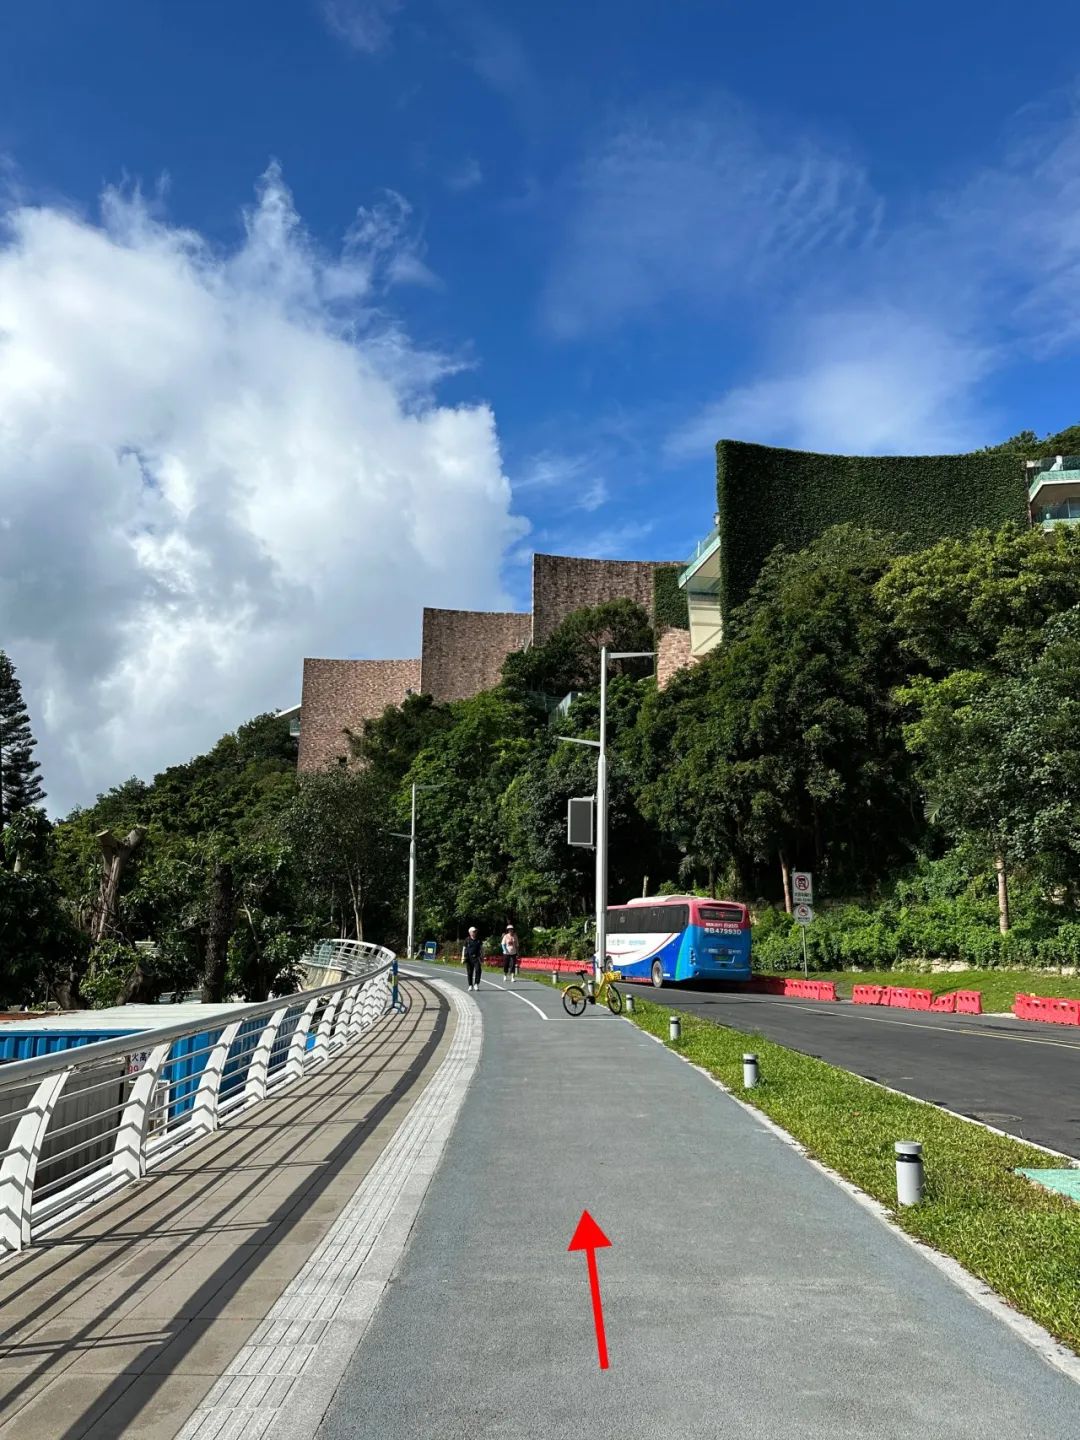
903	724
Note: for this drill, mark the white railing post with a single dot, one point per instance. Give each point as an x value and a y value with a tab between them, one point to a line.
259	1067
204	1116
20	1163
129	1151
294	1065
321	1051
356	1014
343	1024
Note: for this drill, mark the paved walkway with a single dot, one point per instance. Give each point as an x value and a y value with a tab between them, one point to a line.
119	1323
746	1294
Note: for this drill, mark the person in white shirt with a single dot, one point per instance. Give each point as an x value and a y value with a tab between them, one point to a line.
510	953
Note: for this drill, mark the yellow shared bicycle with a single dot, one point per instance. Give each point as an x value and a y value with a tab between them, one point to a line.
576	997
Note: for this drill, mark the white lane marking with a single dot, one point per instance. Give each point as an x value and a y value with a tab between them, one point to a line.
484	981
281	1383
507	991
1040	1340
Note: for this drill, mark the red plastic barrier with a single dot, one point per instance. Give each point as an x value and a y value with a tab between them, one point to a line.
944	1004
869	995
969	1002
768	984
541	962
1047	1008
799	989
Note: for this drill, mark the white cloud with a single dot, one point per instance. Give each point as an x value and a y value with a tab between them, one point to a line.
211	465
693	207
465	176
364	24
862	381
888	347
573	478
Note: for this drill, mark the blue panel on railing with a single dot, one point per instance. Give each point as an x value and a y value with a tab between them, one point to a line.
27	1044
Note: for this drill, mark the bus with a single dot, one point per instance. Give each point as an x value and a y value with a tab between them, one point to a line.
679	937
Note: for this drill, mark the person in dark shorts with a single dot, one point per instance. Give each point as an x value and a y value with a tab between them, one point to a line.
472	953
510	950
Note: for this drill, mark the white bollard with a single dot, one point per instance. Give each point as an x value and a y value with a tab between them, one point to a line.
629	1003
674	1027
554	977
909	1172
749	1072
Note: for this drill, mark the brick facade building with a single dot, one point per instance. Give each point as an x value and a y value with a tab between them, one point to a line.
462	651
562	584
338	695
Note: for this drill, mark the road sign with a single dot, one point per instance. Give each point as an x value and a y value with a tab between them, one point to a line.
802	886
804	914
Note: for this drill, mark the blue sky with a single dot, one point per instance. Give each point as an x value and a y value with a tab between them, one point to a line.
578	243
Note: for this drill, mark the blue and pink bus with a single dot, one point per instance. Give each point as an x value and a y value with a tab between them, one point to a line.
679	937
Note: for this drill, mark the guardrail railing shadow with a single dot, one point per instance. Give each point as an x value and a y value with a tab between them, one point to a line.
56	1160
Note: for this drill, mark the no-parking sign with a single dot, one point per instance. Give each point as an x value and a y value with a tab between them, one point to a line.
802	886
803	914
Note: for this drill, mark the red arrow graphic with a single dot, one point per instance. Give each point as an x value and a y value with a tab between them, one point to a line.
589	1237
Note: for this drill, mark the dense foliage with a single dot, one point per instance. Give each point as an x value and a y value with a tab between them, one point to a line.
670	610
768	497
20	783
906	725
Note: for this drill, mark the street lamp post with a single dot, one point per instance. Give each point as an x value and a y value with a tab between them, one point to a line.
600	959
411	837
409	943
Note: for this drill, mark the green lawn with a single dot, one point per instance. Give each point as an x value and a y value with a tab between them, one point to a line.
1022	1240
998	987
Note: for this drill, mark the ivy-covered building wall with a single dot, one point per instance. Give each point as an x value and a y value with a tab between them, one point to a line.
768	497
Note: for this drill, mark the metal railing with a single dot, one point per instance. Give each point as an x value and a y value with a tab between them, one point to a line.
78	1124
699	550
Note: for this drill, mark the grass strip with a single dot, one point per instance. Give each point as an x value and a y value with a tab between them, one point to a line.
1022	1240
998	988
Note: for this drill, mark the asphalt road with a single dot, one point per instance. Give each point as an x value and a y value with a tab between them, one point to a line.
1016	1075
745	1294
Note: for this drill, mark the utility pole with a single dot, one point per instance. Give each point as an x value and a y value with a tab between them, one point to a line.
600	958
409	944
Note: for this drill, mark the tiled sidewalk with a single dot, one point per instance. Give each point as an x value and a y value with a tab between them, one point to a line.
119	1323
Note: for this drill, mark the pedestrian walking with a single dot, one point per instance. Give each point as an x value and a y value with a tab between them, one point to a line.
472	953
510	953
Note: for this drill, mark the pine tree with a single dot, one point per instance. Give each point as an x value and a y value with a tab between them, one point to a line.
20	784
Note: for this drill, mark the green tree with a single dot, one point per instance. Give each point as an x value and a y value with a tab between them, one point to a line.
20	783
39	945
465	770
388	745
569	659
784	745
336	826
980	603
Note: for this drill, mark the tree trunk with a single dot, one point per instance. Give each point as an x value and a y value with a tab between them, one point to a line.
786	873
115	855
66	990
1003	893
219	930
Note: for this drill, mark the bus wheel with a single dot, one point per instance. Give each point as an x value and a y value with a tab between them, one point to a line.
657	974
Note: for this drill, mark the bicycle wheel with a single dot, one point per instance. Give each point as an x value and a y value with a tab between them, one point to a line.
573	999
614	1000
